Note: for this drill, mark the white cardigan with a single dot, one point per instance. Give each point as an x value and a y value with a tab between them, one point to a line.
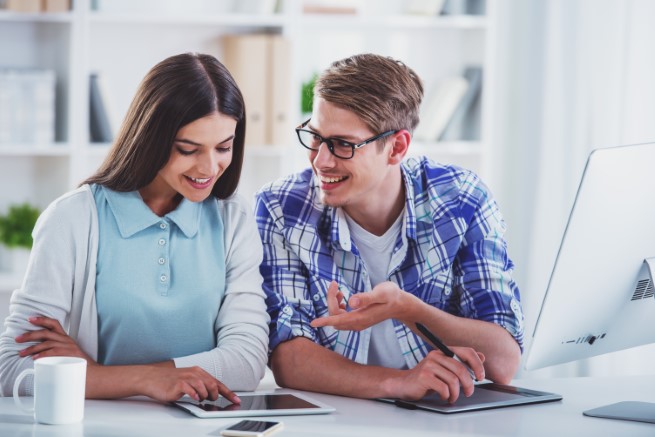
60	283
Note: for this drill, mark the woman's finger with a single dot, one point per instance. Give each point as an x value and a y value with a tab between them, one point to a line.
47	322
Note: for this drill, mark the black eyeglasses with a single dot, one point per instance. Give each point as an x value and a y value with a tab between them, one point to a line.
340	148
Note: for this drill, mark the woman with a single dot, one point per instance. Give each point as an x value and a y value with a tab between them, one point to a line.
150	269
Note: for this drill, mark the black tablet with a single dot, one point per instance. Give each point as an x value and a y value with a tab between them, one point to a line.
485	396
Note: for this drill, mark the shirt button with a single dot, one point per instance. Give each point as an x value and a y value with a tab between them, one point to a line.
162	225
161	260
316	297
163	278
162	241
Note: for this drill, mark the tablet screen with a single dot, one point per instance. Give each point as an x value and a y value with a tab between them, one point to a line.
258	402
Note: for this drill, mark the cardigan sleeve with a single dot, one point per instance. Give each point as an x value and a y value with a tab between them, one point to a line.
54	284
241	329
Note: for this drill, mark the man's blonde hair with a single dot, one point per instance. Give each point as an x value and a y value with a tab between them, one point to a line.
384	92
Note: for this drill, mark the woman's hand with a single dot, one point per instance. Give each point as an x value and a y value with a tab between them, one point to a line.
168	384
52	341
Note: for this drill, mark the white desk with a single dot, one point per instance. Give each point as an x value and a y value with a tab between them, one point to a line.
356	417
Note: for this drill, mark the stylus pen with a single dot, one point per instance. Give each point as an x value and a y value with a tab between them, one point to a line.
442	347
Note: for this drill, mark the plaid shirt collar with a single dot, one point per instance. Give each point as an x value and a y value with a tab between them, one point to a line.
336	220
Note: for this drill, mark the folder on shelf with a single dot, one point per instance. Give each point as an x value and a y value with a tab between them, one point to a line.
424	7
281	125
439	106
31	6
463	124
100	129
27	106
246	56
260	65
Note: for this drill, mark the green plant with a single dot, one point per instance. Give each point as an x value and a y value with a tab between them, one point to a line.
307	95
17	225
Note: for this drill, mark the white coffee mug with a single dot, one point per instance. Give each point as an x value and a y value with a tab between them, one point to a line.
59	384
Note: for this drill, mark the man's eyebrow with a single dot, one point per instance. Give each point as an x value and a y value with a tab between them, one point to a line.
340	137
193	143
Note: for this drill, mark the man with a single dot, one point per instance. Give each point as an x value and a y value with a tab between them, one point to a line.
362	246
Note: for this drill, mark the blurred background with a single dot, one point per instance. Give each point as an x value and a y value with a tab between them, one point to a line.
519	91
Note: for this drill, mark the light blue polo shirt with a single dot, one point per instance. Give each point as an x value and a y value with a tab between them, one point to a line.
160	280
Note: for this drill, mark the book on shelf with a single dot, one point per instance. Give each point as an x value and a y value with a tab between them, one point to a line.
464	7
31	6
256	7
261	66
280	124
438	107
330	7
100	126
463	124
424	7
27	106
56	5
36	6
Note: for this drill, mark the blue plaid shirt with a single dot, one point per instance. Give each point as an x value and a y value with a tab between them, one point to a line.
450	253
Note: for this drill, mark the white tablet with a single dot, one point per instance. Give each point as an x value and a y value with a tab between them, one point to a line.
256	404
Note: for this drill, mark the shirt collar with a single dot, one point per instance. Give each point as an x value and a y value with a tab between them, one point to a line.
410	214
339	226
133	215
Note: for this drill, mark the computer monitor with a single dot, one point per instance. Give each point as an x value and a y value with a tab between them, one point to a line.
600	294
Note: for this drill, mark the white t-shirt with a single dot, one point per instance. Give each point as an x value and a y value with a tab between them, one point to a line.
384	349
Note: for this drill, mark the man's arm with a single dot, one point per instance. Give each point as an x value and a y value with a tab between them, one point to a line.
502	352
304	365
388	301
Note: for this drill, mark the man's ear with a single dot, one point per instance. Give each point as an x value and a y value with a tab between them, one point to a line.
399	146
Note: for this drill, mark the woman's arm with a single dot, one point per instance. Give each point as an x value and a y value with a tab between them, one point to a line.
160	381
239	359
61	234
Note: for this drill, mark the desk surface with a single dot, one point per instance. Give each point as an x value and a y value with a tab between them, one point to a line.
355	417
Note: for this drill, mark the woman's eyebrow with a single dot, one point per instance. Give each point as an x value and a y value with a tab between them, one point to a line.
193	143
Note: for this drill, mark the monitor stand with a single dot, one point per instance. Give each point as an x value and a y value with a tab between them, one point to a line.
630	410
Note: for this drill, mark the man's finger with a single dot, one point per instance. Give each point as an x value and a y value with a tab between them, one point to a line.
332	299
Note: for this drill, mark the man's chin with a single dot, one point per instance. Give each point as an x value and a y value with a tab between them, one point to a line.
331	201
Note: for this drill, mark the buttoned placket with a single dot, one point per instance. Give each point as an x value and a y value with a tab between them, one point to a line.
164	278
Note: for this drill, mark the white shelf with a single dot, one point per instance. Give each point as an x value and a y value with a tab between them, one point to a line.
57	149
225	20
449	147
353	22
59	17
123	45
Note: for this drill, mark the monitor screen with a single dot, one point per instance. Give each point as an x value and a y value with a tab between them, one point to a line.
600	294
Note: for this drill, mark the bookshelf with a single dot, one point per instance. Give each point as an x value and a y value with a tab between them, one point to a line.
121	39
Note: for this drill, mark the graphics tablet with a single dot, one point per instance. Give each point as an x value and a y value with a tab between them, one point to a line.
256	404
485	396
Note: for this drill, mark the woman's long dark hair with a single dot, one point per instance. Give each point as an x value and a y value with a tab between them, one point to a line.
174	93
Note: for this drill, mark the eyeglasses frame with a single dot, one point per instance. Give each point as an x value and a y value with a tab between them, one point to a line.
330	145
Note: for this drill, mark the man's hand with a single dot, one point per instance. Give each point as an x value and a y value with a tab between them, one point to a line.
385	301
440	374
52	341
